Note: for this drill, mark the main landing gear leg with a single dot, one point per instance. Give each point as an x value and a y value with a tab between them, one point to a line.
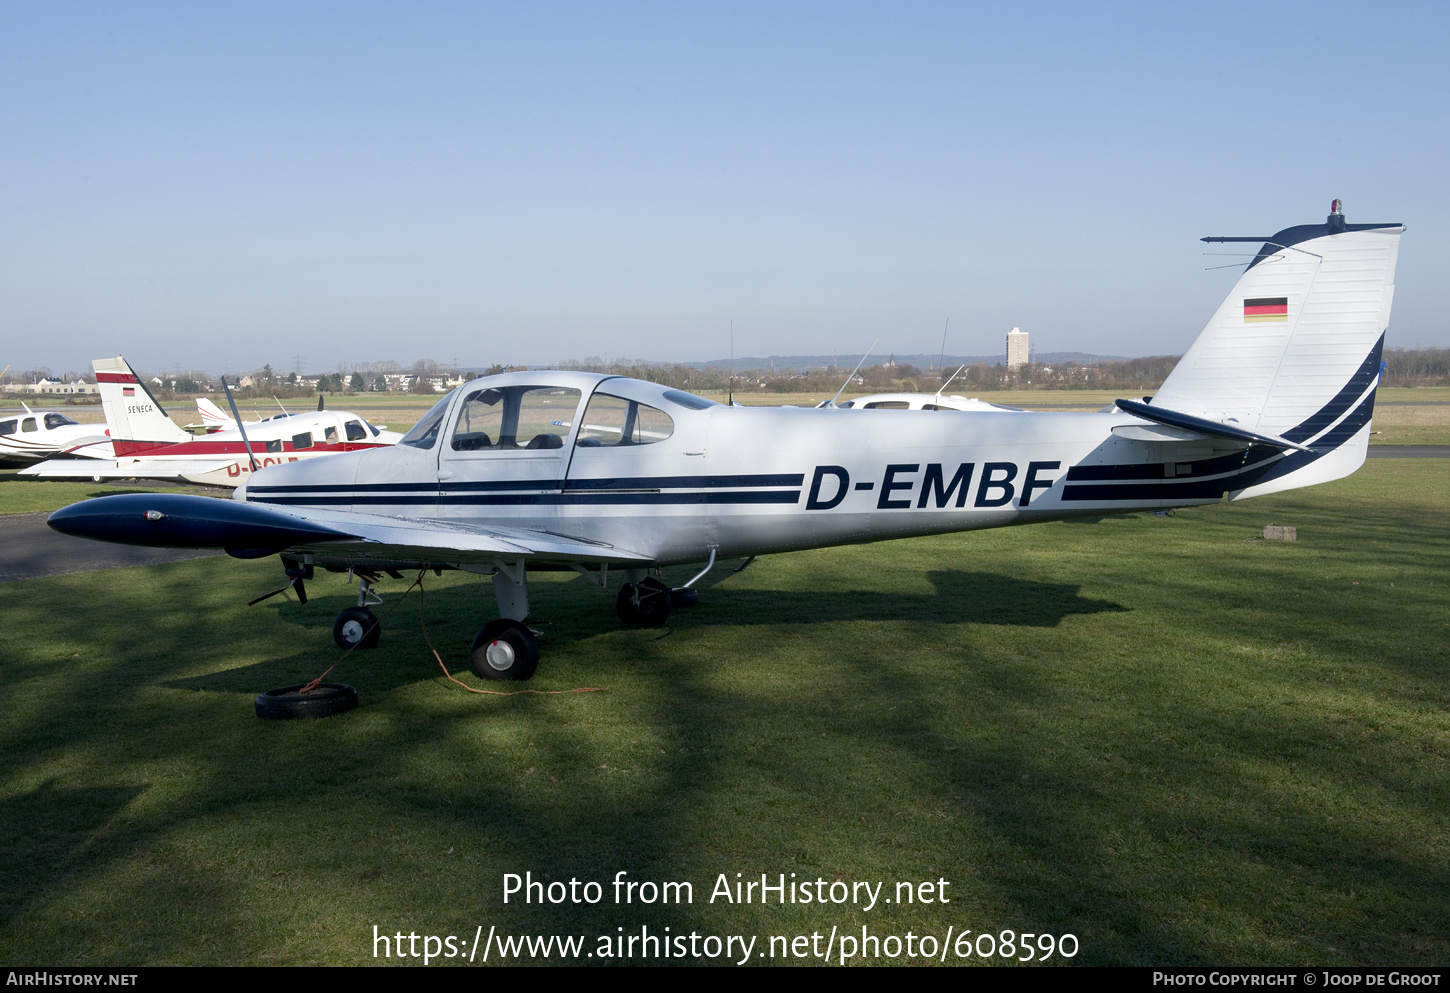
358	627
505	648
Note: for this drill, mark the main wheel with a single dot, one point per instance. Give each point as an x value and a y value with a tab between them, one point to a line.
643	605
504	649
356	627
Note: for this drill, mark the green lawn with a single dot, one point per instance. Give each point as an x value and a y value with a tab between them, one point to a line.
1171	739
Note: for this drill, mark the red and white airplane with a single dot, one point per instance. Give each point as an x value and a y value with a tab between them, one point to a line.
145	443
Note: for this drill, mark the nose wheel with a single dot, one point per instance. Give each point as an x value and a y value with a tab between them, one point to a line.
504	649
356	627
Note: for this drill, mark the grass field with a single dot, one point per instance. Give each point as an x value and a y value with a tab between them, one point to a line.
1177	742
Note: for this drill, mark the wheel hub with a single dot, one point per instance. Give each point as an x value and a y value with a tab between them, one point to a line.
500	655
352	631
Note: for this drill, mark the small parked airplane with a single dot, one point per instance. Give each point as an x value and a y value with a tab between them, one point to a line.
145	443
30	437
921	401
567	470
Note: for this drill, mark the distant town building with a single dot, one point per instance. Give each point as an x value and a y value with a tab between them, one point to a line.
79	387
1016	348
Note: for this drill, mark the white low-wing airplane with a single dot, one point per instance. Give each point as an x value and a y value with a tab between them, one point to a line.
31	437
145	443
573	470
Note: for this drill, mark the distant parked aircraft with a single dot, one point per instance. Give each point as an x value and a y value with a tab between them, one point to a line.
145	443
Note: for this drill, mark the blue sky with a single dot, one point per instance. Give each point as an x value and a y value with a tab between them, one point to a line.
219	186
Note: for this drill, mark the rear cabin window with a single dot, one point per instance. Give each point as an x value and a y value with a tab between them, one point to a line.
888	405
303	440
332	436
8	427
511	418
615	421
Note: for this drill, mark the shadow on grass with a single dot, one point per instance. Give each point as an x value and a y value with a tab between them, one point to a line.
46	838
1124	777
960	598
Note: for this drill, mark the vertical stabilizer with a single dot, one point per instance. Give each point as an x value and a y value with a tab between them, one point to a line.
213	417
1295	349
132	413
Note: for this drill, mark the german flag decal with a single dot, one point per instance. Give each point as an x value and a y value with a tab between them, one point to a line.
1259	310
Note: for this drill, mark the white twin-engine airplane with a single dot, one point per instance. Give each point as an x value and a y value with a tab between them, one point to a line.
566	470
145	443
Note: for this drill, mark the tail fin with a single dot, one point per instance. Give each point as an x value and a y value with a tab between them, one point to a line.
212	416
1294	351
132	413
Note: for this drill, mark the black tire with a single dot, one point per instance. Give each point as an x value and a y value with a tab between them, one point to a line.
683	596
354	625
288	702
643	605
504	649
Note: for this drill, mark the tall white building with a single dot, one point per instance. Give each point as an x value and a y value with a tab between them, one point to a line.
1016	348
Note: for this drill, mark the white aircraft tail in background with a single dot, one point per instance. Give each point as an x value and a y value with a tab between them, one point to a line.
212	417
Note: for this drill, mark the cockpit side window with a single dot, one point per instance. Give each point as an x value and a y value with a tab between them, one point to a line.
515	417
611	420
355	431
424	434
28	425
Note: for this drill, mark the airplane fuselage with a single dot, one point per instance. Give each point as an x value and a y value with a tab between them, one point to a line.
755	480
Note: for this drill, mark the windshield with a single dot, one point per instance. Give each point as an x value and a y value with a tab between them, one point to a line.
424	434
53	421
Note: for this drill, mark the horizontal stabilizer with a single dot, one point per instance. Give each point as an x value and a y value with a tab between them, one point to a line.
1202	425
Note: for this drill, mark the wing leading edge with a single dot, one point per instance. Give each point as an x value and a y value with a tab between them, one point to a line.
248	531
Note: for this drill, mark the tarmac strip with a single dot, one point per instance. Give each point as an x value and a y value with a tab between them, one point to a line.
1409	451
29	550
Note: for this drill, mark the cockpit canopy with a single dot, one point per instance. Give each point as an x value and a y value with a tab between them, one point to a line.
531	412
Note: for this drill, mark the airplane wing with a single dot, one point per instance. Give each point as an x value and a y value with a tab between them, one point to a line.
248	530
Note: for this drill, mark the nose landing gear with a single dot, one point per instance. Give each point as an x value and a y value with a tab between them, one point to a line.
358	627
